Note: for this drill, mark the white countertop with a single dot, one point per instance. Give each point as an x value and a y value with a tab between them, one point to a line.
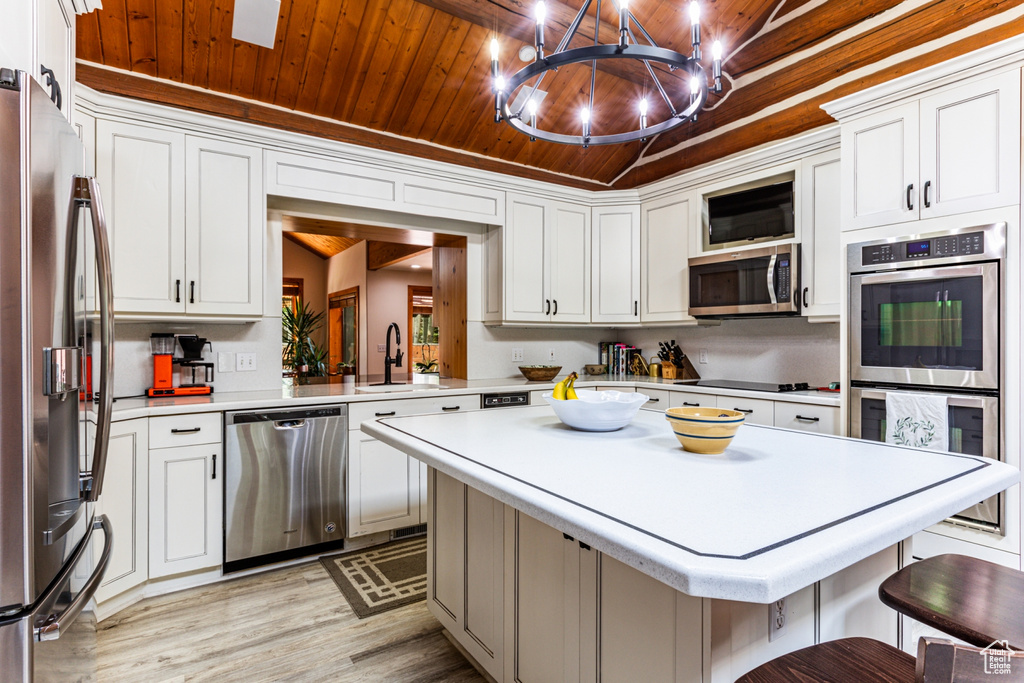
779	510
317	394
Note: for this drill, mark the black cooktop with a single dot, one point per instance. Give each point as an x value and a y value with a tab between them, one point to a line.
748	386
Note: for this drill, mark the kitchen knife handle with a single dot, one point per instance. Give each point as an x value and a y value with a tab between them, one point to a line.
177	291
191	291
910	201
927	185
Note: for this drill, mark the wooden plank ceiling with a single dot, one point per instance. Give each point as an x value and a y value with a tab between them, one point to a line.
414	75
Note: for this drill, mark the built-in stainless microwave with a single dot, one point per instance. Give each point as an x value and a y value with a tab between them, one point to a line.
751	282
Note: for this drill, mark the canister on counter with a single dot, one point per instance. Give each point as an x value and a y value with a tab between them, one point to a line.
655	367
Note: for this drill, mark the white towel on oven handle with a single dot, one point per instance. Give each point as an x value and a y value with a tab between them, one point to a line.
917	420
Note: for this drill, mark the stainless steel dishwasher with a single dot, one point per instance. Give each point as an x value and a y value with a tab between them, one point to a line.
284	484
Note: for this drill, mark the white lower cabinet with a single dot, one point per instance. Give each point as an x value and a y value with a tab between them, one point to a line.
125	502
686	399
758	411
383	486
186	509
807	418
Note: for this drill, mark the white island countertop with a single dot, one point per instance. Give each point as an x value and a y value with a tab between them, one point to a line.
779	510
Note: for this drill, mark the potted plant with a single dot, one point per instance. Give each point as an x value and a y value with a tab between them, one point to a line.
428	364
300	352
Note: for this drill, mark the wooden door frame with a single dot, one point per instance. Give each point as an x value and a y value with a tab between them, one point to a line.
412	290
330	328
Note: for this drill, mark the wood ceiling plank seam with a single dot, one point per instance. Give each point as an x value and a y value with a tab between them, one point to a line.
170	37
440	109
351	17
404	21
793	37
439	29
222	53
142	36
243	69
294	53
817	69
365	45
421	19
114	34
806	115
195	61
321	39
268	62
88	45
419	108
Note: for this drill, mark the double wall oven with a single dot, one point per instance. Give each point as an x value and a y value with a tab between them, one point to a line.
925	317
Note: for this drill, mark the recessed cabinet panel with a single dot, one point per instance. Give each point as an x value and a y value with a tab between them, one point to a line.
823	277
664	246
758	411
383	487
224	244
483	569
615	281
141	174
570	264
883	150
55	37
186	518
446	577
525	266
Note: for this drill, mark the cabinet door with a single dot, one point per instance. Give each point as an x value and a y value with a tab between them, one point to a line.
125	502
680	399
383	487
569	248
542	602
822	255
526	266
970	147
758	411
616	265
224	239
664	248
55	48
807	418
186	517
880	167
142	180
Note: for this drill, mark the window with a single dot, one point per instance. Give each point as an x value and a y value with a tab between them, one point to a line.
343	330
423	343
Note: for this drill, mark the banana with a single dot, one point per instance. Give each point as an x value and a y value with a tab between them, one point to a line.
570	391
559	392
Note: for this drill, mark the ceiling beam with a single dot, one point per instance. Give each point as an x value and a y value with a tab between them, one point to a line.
383	254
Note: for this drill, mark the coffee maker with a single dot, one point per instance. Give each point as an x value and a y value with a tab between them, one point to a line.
191	363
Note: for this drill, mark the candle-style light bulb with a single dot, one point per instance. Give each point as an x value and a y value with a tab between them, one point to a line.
494	49
531	107
585	118
623	23
716	65
585	115
643	112
716	50
499	83
539	11
695	28
694	86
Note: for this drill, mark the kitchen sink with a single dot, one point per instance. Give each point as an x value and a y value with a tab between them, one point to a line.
389	388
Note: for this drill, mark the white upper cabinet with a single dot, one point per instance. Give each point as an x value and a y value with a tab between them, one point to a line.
664	249
546	261
953	152
55	50
186	219
615	279
820	218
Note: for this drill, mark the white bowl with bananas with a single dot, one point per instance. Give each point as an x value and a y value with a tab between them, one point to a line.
594	411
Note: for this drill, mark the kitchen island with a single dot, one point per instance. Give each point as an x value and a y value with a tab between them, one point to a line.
674	547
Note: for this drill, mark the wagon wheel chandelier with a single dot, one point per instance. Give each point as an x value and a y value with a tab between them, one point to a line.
524	117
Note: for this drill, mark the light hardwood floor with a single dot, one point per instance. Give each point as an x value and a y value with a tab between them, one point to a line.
287	625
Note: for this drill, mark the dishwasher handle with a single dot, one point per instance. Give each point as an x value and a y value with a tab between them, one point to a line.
290	424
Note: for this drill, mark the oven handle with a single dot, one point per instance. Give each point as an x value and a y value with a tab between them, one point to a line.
771	279
920	274
957	400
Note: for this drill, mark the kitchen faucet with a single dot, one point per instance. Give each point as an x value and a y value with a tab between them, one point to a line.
388	360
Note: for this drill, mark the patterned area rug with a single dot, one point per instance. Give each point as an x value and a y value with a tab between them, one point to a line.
383	577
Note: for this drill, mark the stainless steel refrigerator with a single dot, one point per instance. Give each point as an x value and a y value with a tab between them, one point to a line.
50	477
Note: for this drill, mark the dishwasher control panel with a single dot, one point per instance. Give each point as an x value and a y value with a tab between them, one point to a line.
276	416
515	398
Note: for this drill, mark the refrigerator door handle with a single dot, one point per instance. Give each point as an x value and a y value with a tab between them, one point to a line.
53	625
86	192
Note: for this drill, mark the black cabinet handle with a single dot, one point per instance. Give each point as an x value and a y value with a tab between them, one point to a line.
214	466
567	537
584	546
927	202
556	306
177	291
547	311
652	400
910	202
387	414
636	305
741	410
808	419
450	408
51	82
691	405
805	296
193	430
192	291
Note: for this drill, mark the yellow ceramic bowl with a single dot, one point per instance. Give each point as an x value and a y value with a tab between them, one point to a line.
704	430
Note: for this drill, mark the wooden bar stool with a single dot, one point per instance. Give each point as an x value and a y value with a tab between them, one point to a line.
976	601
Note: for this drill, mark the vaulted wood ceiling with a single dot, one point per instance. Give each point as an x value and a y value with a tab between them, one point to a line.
413	75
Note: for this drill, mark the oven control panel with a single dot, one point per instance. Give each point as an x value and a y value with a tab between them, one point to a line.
964	244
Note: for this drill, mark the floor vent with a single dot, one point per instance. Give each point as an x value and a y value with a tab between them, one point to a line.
408	531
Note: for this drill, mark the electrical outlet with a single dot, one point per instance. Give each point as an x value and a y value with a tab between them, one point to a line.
777	619
225	361
517	355
703	356
245	362
381	348
551	355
